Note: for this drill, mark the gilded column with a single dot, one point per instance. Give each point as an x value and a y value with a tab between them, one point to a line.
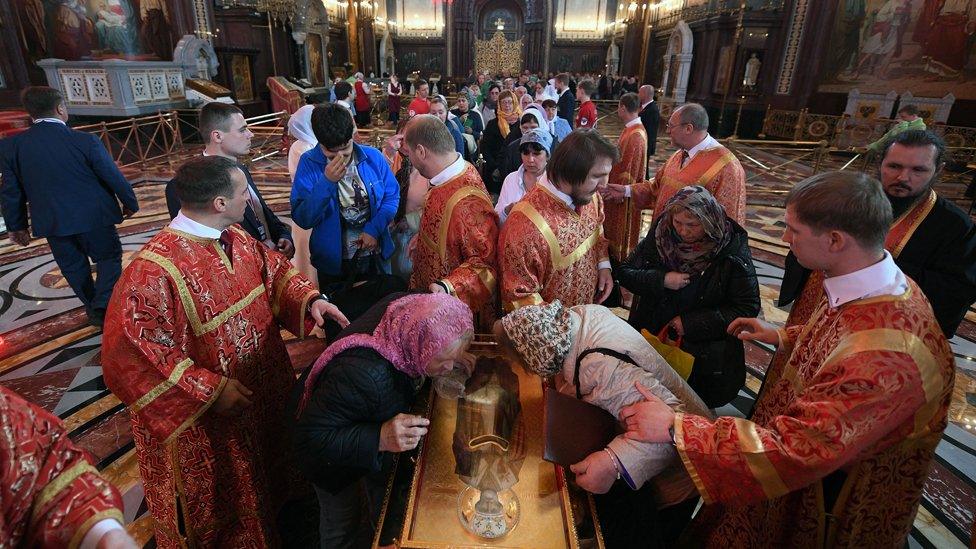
352	17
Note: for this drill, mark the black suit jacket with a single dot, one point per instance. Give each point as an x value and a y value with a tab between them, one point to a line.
651	118
566	107
278	228
65	178
940	257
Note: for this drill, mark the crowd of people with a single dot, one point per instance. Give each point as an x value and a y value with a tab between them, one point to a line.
401	255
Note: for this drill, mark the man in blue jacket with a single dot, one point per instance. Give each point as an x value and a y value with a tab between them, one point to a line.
346	194
72	188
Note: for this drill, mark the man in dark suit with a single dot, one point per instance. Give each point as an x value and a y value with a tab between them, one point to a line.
566	105
225	133
72	188
650	116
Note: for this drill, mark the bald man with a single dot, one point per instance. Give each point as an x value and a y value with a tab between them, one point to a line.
650	116
454	251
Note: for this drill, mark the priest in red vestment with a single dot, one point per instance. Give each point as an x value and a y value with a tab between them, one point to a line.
699	160
454	252
552	245
623	222
844	432
51	496
192	346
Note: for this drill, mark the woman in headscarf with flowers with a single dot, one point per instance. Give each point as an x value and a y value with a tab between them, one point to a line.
644	495
692	276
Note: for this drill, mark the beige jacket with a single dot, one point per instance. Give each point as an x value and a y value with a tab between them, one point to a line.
609	383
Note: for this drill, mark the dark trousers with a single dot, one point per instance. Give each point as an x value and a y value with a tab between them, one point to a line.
362	118
348	518
72	254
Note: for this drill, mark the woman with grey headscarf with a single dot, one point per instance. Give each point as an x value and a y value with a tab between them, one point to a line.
693	275
641	481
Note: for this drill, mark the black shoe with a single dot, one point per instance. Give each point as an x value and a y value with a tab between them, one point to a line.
96	318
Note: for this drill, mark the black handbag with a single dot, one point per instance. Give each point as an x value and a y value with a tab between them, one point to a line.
360	290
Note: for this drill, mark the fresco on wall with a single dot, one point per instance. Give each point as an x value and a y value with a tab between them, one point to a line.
927	47
96	29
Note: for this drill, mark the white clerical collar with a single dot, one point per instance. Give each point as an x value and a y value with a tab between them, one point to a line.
707	143
634	122
882	278
184	224
455	169
58	120
565	198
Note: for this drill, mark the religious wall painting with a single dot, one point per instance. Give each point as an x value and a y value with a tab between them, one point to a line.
926	46
726	58
240	66
96	29
316	63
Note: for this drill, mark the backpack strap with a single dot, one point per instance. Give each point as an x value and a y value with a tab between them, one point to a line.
603	351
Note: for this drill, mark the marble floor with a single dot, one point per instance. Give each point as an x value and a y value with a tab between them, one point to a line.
52	357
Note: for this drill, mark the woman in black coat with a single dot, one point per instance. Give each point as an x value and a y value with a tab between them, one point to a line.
352	416
499	132
693	275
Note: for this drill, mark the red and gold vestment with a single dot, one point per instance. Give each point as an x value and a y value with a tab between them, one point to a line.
622	222
716	169
50	495
865	391
457	243
185	318
548	251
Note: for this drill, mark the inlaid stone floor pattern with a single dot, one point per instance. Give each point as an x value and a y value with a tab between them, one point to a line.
50	355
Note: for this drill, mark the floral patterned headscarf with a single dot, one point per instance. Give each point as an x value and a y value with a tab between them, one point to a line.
692	257
541	336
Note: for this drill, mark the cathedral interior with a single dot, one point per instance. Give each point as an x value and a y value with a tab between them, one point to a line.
792	87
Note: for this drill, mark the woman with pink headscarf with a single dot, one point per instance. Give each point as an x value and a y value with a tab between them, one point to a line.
353	414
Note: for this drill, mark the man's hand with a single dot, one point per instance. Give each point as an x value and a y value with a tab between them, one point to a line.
116	539
366	242
753	329
321	309
679	328
596	473
232	400
20	238
648	420
402	432
286	247
336	168
675	280
604	285
127	213
613	193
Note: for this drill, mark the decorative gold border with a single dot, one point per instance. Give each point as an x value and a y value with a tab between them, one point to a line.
203	408
921	211
174	377
91	521
559	261
57	484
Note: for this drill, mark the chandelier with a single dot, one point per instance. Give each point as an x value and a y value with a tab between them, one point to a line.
280	10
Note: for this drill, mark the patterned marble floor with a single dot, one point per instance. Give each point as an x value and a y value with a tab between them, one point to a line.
49	354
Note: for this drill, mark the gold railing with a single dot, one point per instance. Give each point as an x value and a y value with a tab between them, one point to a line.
135	141
846	132
807	152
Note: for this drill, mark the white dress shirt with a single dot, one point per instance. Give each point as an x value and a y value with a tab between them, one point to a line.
708	143
186	225
455	169
634	122
882	278
57	120
513	189
568	200
95	534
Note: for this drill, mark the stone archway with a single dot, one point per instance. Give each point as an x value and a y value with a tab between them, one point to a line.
677	63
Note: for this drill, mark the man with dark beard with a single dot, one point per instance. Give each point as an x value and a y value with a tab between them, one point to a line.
932	240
